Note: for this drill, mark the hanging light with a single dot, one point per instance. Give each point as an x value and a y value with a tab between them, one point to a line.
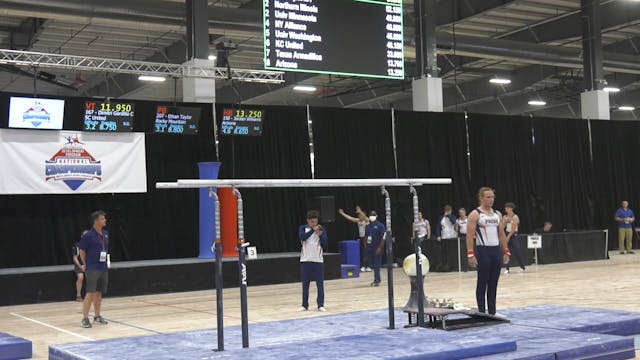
500	81
611	89
306	88
151	78
537	102
626	108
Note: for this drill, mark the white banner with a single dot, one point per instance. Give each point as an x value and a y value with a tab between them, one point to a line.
71	162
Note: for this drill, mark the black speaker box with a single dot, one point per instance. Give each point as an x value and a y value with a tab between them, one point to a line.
327	207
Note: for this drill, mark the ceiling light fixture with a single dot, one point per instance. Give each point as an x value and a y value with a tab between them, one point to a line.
151	78
212	57
626	108
537	102
611	89
306	88
500	81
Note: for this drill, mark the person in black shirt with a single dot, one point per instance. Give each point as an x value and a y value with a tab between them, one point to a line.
546	228
78	268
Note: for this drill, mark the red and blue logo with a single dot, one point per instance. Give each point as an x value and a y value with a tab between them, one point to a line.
73	165
36	115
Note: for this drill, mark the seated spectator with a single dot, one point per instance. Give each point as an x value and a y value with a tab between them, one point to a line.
546	228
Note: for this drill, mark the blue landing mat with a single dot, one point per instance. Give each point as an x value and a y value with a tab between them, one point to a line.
360	335
599	321
12	347
413	344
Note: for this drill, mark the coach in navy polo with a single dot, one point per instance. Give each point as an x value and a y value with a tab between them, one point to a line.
94	249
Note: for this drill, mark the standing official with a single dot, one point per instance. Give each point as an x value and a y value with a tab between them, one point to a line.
625	218
375	233
94	250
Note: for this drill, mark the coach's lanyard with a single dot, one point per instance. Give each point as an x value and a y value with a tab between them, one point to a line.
101	237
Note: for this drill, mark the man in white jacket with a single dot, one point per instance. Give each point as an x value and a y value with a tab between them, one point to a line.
313	238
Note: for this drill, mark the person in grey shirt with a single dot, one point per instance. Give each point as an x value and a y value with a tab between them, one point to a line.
361	220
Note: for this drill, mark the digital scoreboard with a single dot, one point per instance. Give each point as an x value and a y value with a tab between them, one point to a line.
241	122
177	120
346	37
108	116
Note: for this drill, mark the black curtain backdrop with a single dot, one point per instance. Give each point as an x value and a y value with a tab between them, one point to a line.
352	144
430	145
616	176
500	151
271	215
563	173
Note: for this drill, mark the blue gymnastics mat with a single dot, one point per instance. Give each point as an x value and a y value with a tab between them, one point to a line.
360	335
600	321
13	347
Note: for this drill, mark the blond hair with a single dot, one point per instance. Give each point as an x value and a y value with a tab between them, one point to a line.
483	190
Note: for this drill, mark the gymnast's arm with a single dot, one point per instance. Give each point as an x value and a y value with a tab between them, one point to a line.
304	235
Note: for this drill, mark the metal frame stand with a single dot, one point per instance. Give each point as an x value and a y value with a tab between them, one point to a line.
263	183
458	240
242	267
418	251
606	243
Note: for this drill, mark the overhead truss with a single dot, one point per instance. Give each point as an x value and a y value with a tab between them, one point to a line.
118	66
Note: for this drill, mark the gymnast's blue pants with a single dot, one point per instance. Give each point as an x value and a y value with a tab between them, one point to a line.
312	271
489	265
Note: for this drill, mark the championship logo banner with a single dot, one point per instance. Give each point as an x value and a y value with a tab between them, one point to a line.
71	162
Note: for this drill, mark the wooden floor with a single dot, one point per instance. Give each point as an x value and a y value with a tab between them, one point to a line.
608	284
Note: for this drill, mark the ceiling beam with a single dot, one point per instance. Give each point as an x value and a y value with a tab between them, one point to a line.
453	11
631	97
22	37
175	53
43	76
614	15
528	53
481	90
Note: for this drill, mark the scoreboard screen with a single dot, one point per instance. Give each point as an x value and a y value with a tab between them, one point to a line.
177	120
108	116
346	37
241	122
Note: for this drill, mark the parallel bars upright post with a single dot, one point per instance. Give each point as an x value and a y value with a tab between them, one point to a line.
218	251
389	249
242	265
418	250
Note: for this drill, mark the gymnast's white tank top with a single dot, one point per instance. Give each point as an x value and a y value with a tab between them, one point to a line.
487	229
